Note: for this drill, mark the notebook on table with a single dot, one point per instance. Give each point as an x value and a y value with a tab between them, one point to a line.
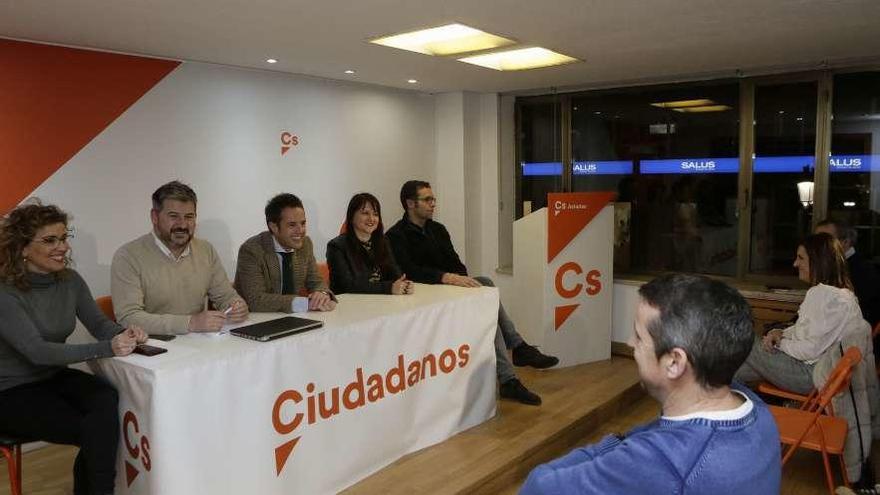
274	329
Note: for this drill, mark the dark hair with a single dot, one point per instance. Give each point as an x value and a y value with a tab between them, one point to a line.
17	229
175	190
277	204
843	231
410	190
379	244
827	264
706	318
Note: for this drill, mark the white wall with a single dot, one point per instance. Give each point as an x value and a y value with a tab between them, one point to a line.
218	129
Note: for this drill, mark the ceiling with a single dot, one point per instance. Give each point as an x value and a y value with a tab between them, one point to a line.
619	41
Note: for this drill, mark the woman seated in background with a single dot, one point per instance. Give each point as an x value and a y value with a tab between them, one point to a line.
360	259
40	301
785	357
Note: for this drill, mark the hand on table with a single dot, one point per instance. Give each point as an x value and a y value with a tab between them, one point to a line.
236	312
137	333
459	280
402	286
123	343
207	321
321	301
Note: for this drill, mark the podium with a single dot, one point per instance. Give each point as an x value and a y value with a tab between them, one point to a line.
563	276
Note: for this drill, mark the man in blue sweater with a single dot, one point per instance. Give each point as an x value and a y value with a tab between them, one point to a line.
690	336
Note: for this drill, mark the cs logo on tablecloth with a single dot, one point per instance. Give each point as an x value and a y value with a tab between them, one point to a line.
137	445
288	141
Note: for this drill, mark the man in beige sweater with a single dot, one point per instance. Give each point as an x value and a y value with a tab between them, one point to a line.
160	281
278	265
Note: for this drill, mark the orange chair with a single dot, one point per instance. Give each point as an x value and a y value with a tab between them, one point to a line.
11	448
106	305
770	389
813	426
324	270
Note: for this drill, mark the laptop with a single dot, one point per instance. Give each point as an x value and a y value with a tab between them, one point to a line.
274	329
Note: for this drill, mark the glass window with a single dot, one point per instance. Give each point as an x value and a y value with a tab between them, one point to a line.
540	154
783	170
671	155
854	182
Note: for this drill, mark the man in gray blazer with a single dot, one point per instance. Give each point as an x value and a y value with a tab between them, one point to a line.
278	265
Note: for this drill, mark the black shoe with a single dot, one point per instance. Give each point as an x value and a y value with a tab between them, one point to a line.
528	355
513	389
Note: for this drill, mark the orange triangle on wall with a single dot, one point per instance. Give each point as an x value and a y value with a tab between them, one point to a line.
568	214
55	100
563	312
131	473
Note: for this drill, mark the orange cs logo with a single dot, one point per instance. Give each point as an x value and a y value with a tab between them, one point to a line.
288	140
137	445
592	285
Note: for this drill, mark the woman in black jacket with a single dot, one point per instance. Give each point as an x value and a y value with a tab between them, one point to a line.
360	259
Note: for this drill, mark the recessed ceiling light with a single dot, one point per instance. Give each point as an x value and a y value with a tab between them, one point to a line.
703	109
412	81
683	103
450	39
519	59
349	71
271	61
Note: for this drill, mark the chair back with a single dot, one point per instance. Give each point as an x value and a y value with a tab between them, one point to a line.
105	303
837	380
324	270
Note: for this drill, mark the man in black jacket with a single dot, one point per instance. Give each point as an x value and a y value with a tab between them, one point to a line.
425	254
862	273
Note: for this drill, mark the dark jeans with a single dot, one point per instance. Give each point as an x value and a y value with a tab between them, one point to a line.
506	337
72	408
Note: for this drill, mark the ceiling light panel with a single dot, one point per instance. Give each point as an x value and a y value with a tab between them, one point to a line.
450	39
703	109
520	59
683	103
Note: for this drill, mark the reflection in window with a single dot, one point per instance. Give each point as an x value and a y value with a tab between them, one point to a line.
672	157
785	147
539	152
854	191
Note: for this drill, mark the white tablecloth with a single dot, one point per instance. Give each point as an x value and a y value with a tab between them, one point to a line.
219	414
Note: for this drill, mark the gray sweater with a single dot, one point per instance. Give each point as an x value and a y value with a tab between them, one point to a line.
35	324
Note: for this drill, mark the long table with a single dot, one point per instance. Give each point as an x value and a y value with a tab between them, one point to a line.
311	413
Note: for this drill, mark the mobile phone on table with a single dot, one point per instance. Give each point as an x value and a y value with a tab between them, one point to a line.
148	350
162	337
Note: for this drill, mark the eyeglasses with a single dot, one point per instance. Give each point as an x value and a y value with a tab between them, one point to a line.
52	241
429	199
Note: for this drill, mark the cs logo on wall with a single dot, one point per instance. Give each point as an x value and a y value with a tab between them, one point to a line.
578	271
288	140
137	445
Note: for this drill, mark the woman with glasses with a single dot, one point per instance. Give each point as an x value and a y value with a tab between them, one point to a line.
830	310
41	300
360	259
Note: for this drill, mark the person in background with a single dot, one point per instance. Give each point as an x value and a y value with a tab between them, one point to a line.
360	259
690	334
278	264
785	357
160	281
425	252
41	299
864	277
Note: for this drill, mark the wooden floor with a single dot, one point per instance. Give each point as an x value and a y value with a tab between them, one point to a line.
581	404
